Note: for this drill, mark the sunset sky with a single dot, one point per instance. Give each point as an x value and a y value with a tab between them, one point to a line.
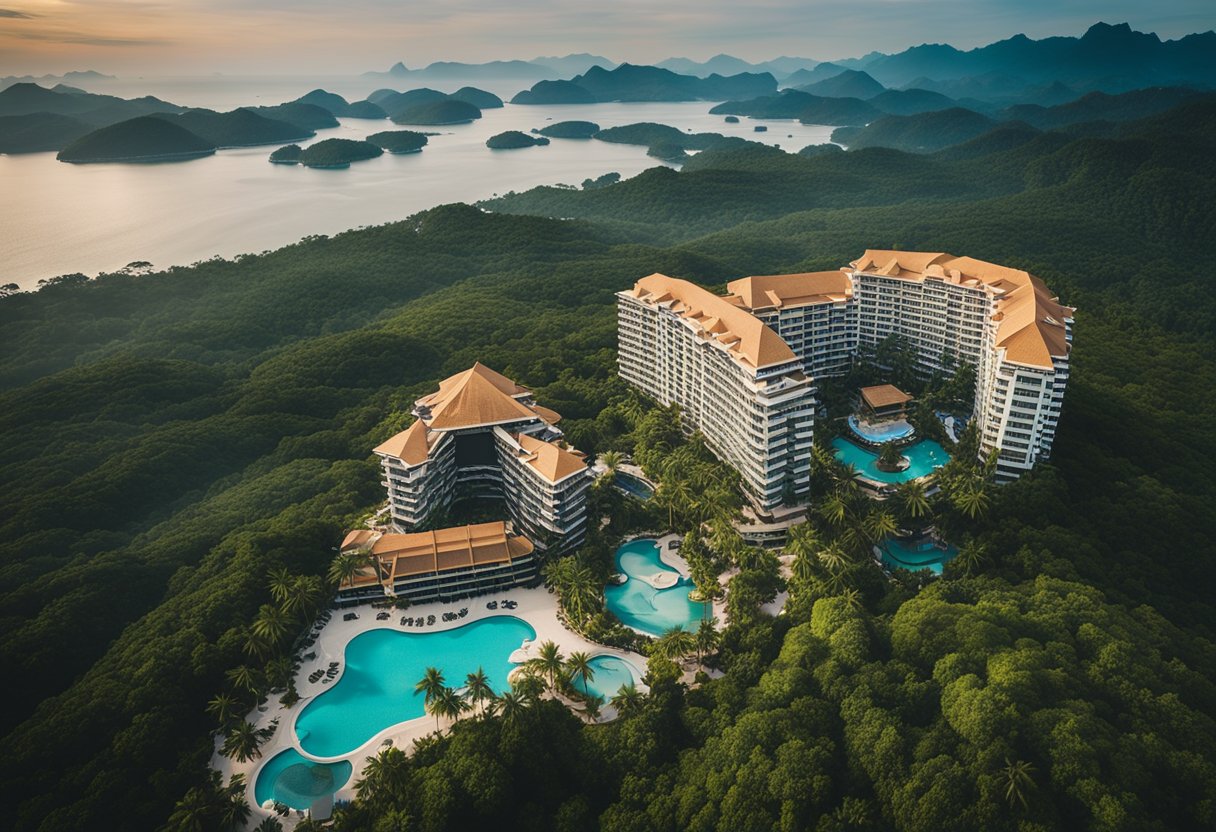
340	36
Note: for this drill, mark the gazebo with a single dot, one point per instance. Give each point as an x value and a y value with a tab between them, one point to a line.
883	401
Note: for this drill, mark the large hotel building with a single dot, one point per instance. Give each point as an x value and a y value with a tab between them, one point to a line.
742	366
482	435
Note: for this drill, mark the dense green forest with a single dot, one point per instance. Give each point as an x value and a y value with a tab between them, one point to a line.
168	440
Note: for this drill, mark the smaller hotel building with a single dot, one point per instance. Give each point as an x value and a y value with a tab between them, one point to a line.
437	565
480	435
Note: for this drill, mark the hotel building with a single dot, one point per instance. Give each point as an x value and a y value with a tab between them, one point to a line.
733	378
437	565
682	344
480	435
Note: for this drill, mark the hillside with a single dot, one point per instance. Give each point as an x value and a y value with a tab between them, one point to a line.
238	128
444	111
34	118
480	99
514	140
399	141
570	130
338	153
921	133
851	83
304	116
629	82
39	131
143	139
339	106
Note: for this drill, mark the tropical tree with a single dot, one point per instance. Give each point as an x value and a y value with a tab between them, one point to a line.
449	704
611	460
223	706
674	644
384	776
512	705
257	645
243	742
272	623
344	568
835	508
834	559
971	555
303	595
196	810
270	824
549	662
280	582
245	677
879	525
628	700
912	499
579	664
706	638
1018	780
431	685
971	500
477	688
852	599
235	809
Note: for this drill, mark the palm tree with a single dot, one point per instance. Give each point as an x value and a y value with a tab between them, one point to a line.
280	582
675	644
529	683
879	525
477	687
272	623
549	661
270	824
852	599
971	556
223	707
511	705
242	742
913	500
235	810
431	685
611	460
833	559
257	645
245	677
384	775
344	568
628	700
707	638
302	596
449	704
1018	780
971	500
194	812
579	664
834	509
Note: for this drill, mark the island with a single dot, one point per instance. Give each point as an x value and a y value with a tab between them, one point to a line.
399	141
239	128
554	92
447	111
34	132
649	134
141	139
629	82
478	98
289	155
513	140
328	153
299	113
569	130
731	119
667	151
339	106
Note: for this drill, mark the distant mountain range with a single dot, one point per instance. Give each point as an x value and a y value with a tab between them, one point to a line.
628	82
51	80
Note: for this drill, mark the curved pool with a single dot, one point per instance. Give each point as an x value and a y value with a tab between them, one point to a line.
294	780
882	432
915	555
641	606
923	457
608	675
633	486
376	689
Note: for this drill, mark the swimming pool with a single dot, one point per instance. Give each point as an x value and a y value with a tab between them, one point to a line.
915	555
924	456
294	780
376	689
883	432
641	606
633	486
608	675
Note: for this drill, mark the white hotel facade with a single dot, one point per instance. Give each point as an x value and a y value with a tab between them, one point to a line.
732	375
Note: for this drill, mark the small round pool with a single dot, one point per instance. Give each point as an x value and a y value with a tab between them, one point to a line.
608	675
923	457
294	780
633	486
376	689
915	555
882	431
639	604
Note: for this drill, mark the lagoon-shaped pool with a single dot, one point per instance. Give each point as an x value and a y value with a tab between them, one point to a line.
376	689
923	457
633	486
915	555
639	604
294	780
608	675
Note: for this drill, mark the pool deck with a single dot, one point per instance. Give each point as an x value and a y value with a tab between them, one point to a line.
538	607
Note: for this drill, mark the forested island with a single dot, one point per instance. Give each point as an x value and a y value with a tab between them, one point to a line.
437	113
399	141
328	153
209	426
142	139
513	140
569	130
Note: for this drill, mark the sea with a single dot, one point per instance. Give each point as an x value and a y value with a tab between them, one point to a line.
58	218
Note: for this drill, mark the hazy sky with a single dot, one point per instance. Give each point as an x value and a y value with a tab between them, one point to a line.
190	36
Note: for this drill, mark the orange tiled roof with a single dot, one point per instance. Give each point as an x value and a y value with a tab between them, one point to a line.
778	291
416	553
552	462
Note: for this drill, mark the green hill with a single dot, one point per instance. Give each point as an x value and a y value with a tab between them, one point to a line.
288	155
304	116
238	128
399	141
480	99
921	133
392	101
437	113
142	139
39	131
338	153
570	130
851	83
554	92
514	140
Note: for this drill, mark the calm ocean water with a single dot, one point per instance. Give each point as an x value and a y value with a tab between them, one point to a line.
57	218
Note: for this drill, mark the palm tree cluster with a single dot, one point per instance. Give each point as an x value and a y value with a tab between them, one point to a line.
579	591
294	600
212	805
444	702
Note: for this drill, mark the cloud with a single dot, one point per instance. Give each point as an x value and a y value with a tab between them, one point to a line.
13	13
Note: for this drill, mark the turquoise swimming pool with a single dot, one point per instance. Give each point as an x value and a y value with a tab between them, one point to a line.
639	605
293	780
608	675
915	555
883	432
924	456
376	689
